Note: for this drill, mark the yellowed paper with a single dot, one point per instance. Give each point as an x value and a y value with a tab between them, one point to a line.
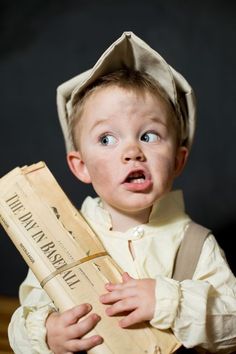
67	257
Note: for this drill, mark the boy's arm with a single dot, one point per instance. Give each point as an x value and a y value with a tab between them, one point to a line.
201	312
36	326
26	330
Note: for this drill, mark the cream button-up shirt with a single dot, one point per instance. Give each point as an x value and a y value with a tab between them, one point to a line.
201	312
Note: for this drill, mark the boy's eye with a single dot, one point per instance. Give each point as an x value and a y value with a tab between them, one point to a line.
107	139
150	137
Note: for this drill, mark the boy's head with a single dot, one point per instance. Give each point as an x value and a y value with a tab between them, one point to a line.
130	80
127	132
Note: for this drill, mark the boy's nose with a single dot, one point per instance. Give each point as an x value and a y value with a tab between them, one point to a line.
133	153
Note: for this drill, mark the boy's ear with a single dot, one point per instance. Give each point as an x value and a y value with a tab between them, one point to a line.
78	167
180	159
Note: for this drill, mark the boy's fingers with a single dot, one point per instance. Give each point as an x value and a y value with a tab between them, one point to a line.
83	326
128	304
73	315
131	319
127	281
83	344
112	287
126	277
117	295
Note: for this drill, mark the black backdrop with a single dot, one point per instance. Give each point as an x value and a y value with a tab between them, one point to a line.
43	43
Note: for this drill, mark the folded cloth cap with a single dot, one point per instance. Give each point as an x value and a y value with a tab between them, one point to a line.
129	51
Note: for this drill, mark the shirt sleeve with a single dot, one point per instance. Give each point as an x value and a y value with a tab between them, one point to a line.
201	312
27	331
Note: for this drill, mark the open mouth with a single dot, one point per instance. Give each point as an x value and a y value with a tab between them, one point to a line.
136	177
138	181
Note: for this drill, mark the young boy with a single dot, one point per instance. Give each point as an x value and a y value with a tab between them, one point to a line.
129	124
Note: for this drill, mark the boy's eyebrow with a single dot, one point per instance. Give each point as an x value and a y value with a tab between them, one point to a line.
99	122
154	119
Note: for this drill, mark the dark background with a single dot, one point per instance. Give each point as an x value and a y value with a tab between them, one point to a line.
44	43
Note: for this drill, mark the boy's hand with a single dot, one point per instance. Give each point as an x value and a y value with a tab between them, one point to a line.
64	331
136	296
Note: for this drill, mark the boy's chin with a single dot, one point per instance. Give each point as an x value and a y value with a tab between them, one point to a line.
130	206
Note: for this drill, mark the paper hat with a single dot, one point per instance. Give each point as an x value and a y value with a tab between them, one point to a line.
132	52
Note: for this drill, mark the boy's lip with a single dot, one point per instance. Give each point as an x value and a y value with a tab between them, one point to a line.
137	180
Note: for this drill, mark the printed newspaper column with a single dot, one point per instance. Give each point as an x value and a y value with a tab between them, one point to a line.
67	257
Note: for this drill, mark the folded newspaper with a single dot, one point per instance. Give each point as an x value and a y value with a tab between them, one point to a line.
68	258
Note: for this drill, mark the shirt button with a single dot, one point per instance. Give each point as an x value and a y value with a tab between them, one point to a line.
138	232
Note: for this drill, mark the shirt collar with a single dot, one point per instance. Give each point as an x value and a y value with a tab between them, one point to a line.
166	210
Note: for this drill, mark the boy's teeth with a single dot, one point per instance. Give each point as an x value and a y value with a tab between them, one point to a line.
136	178
139	180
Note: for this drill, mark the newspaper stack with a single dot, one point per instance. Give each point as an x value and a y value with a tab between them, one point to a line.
67	257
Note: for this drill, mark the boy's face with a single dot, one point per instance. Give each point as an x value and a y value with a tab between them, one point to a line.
127	148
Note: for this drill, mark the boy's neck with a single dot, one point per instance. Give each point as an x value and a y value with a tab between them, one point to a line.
122	221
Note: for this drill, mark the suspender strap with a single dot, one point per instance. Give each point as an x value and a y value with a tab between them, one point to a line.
189	251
